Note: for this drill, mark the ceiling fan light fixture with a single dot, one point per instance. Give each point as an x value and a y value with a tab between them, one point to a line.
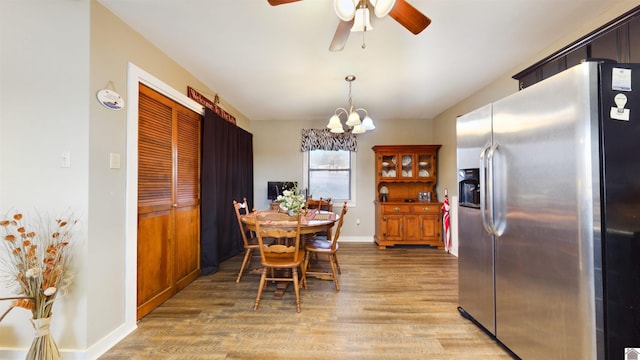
348	11
345	9
382	7
362	20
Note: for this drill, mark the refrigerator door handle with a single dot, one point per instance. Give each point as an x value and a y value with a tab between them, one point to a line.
490	190
483	188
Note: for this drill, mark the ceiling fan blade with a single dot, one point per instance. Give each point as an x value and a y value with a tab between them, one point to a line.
341	35
281	2
409	17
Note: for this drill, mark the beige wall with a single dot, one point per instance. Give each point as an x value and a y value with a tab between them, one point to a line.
113	46
56	55
277	157
44	112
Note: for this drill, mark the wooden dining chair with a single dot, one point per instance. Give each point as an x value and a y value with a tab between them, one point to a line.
282	259
249	240
320	204
327	247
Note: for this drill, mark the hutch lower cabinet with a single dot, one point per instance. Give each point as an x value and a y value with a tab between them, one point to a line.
406	208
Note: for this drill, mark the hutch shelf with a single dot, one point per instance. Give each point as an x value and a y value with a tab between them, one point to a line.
409	214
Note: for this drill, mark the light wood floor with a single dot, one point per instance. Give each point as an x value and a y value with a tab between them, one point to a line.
398	303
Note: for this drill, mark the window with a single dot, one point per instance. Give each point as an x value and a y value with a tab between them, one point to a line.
328	174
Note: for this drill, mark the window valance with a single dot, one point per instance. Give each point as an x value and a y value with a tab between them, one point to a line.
324	139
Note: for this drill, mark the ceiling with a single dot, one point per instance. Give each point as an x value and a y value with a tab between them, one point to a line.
273	62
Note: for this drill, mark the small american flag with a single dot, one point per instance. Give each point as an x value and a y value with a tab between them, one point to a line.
446	221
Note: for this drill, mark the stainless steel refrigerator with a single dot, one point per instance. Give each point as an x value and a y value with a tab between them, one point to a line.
549	215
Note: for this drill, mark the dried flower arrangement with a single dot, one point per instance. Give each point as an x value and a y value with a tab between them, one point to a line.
36	264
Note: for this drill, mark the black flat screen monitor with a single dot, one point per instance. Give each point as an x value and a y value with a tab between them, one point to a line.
275	188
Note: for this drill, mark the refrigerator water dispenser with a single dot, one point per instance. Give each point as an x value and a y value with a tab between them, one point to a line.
469	187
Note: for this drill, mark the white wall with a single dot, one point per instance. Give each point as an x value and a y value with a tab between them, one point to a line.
44	111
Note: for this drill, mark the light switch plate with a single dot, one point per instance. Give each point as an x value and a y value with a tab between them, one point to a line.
65	160
114	161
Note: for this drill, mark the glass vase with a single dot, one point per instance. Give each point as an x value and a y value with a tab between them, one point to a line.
43	347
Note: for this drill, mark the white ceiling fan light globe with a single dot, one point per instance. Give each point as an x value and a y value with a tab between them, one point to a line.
345	9
362	22
382	7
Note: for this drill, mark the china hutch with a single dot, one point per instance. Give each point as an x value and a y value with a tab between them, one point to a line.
407	210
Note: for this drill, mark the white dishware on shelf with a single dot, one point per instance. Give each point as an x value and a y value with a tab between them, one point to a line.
423	163
423	173
385	163
406	161
391	173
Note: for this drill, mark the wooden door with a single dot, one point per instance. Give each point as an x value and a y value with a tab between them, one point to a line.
168	198
187	198
411	228
392	227
430	227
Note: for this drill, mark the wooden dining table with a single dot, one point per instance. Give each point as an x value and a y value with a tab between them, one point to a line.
315	221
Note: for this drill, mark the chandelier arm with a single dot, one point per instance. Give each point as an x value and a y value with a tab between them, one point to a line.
339	111
363	110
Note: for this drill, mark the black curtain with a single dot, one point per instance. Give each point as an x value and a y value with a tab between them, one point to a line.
226	175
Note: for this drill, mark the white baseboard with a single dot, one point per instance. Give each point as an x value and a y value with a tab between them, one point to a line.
109	341
12	354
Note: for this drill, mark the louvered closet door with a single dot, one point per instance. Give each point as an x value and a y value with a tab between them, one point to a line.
168	198
187	195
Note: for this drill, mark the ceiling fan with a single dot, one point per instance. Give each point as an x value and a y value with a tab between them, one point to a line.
354	16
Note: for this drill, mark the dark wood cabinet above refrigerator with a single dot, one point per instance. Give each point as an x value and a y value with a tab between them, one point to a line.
619	40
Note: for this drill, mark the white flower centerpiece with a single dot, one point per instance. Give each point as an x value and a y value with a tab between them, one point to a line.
35	262
292	201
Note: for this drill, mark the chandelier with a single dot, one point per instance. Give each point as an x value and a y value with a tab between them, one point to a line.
357	120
